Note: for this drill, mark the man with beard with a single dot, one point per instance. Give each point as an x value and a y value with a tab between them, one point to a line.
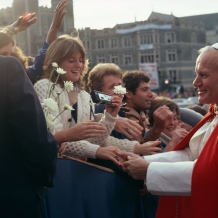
188	174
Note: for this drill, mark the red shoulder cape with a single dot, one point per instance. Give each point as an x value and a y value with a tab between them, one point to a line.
203	201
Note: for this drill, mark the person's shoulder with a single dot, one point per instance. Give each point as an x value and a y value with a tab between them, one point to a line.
12	68
42	82
7	63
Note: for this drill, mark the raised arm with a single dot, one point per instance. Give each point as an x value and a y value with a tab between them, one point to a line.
21	24
36	70
57	21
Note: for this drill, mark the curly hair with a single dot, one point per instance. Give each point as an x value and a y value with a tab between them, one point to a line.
160	101
18	53
60	50
132	79
99	71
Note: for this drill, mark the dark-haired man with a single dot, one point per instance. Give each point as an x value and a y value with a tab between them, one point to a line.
138	98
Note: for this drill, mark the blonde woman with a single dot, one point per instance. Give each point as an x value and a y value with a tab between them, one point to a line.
68	52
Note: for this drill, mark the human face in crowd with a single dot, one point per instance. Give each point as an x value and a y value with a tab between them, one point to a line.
6	50
73	67
206	80
109	81
142	98
171	124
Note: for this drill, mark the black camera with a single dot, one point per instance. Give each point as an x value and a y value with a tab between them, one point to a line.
100	97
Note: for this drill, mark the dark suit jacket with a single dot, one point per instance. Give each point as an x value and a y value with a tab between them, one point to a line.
28	152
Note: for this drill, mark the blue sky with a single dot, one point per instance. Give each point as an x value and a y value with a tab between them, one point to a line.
99	14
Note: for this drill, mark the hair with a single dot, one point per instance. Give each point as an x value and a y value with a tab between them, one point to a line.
60	50
207	49
198	109
99	71
17	52
5	39
132	79
160	101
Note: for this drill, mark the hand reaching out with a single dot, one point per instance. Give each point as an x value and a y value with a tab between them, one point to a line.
110	153
148	148
124	124
177	135
24	22
80	131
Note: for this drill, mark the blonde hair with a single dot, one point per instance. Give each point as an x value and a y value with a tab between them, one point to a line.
17	52
60	50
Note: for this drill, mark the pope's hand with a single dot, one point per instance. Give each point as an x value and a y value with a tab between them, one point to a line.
136	166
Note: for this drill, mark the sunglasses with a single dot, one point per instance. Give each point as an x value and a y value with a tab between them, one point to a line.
215	46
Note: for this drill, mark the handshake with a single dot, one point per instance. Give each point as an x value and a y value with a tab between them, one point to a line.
135	165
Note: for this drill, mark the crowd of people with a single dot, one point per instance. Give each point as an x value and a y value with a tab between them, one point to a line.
45	112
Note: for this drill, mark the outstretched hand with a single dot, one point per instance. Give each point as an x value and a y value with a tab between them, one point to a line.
87	129
110	153
128	127
80	131
24	22
148	148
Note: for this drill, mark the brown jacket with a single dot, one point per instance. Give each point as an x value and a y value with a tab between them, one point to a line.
132	114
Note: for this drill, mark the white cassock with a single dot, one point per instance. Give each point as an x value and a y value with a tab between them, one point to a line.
170	173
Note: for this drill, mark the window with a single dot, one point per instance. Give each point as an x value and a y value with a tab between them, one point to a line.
86	44
127	41
100	44
146	39
114	59
193	37
114	43
101	59
170	37
171	55
172	76
127	59
149	56
156	38
194	54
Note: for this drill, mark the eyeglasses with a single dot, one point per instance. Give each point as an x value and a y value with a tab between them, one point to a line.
215	46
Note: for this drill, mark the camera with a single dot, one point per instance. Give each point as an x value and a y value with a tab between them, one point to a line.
100	97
